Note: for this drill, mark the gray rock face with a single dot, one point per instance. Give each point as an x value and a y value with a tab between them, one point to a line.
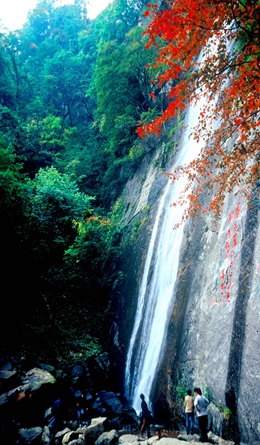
213	336
214	326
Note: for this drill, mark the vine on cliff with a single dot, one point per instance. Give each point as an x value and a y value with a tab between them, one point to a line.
180	30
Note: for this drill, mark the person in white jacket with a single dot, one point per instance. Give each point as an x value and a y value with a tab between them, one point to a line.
201	404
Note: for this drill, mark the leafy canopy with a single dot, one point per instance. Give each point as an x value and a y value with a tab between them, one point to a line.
71	91
228	34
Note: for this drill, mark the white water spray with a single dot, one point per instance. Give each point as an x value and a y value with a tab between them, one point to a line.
157	293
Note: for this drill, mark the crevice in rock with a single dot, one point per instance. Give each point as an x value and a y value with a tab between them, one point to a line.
239	323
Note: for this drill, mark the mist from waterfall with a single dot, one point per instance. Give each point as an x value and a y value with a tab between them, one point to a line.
157	293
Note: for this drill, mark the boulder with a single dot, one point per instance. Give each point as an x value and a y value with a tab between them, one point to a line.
112	401
48	368
78	374
153	440
95	429
189	437
8	379
47	415
115	423
213	438
68	437
62	433
128	438
130	418
27	403
171	441
99	370
36	378
79	441
5	365
97	405
29	436
46	436
107	438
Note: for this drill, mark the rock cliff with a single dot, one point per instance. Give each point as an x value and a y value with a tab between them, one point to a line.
213	335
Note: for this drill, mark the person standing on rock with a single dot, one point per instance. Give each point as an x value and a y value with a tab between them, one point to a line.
201	404
57	411
81	407
189	412
146	418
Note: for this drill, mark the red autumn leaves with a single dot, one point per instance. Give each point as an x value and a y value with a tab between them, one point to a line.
228	33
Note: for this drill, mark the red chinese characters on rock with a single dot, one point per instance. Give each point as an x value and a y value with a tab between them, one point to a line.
230	252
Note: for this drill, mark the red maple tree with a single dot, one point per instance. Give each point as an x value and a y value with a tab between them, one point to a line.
228	34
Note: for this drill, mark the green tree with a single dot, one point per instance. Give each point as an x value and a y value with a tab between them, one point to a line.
56	204
71	93
123	88
13	198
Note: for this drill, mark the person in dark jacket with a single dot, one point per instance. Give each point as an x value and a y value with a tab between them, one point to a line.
57	411
146	418
82	409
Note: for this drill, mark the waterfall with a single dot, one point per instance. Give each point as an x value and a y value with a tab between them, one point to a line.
157	293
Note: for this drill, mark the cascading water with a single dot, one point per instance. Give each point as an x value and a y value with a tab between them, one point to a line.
156	294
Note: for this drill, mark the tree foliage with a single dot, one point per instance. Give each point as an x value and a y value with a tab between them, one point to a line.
227	32
123	90
71	92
